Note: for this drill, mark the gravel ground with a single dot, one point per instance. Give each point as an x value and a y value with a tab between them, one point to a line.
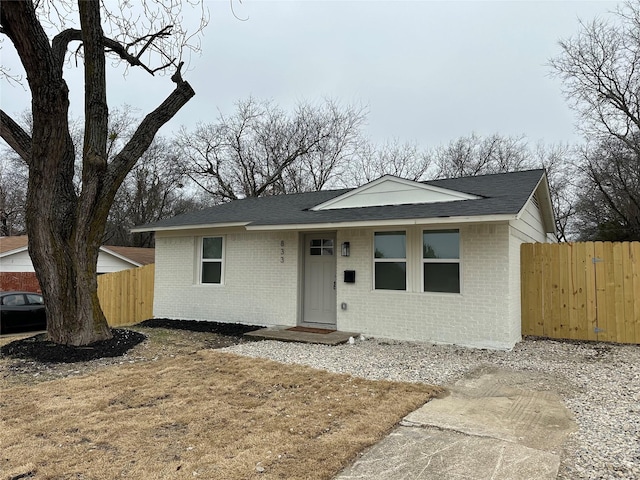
600	384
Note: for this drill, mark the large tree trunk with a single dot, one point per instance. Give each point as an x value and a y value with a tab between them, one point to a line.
66	228
66	271
63	236
62	244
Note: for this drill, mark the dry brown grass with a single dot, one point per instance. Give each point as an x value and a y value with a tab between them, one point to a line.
207	414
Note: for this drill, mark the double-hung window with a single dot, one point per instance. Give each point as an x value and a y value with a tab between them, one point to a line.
211	260
390	260
441	260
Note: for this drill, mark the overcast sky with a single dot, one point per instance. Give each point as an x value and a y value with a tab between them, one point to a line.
428	71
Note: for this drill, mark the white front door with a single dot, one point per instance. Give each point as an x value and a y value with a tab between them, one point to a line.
320	280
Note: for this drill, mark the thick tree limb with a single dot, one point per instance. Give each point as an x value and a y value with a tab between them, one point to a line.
61	42
144	134
95	88
65	228
15	136
20	23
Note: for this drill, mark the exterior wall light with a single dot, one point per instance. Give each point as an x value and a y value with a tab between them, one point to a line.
346	249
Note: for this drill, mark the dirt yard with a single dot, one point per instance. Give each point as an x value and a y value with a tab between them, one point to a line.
173	407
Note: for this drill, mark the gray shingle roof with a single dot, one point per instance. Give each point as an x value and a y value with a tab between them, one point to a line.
501	194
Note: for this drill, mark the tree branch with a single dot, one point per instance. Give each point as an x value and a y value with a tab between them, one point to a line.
144	134
61	42
20	23
15	136
95	89
165	32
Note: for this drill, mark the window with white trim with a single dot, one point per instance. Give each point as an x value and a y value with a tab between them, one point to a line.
211	260
390	260
441	261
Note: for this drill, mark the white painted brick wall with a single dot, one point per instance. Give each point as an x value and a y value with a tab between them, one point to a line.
258	288
515	299
529	228
481	316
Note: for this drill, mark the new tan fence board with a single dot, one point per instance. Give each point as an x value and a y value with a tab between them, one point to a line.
582	291
619	287
633	293
126	297
564	288
590	292
580	319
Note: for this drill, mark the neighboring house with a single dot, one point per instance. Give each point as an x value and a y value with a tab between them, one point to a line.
16	269
435	261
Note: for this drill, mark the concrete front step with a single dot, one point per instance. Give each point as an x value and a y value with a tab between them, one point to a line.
285	335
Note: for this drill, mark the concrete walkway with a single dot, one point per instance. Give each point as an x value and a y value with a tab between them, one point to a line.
491	426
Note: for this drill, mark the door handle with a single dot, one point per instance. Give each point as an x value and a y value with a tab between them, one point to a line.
334	284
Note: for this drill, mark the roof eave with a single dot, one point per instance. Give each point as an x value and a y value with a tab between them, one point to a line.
387	223
188	227
121	257
546	205
14	251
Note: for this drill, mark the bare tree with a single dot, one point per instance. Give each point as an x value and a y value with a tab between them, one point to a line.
261	150
608	206
559	162
13	193
372	161
599	68
65	225
478	155
156	188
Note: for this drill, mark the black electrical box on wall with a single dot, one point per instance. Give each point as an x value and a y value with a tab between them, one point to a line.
349	276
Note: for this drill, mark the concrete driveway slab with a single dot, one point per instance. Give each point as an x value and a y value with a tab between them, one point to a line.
492	425
429	453
533	419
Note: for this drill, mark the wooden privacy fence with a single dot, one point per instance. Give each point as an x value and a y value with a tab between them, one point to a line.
126	297
581	291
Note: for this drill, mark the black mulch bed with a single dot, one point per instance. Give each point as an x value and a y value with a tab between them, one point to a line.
227	329
40	349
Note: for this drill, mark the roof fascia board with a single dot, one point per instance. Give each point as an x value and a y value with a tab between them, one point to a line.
14	251
546	206
121	257
387	223
390	178
103	249
189	227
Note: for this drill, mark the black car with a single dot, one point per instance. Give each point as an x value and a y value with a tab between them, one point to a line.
21	312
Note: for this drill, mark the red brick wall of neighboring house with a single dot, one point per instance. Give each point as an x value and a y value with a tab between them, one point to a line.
25	281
